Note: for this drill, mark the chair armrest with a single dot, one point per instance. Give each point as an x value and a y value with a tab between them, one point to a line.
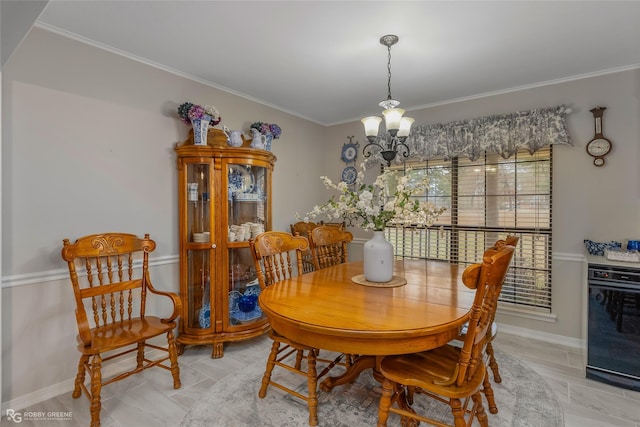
84	330
177	302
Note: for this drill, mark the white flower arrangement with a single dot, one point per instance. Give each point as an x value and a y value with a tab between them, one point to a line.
374	206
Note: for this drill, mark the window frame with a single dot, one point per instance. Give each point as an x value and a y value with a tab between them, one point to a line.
528	285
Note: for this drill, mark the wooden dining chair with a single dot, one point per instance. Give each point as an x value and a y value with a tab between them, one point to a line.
341	225
275	254
329	245
493	363
450	374
111	282
302	228
493	330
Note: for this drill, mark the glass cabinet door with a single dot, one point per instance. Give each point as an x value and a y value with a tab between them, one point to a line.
198	198
247	216
243	288
199	235
198	293
247	194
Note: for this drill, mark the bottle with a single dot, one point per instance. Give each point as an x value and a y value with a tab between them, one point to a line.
196	222
199	205
203	202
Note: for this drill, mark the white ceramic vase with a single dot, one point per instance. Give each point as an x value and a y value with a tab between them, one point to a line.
378	258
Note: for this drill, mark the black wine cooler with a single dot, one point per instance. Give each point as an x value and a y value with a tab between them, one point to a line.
613	348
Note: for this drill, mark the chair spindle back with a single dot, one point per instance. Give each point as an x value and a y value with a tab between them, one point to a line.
105	271
329	245
274	254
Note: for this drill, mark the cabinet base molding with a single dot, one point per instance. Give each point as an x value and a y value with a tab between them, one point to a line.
216	341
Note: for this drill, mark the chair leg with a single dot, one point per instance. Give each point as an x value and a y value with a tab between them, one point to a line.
410	392
488	393
173	358
385	403
299	357
140	355
271	362
312	384
479	410
96	386
77	389
458	413
493	364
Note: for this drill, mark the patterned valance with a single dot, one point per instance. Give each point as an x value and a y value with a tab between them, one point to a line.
504	134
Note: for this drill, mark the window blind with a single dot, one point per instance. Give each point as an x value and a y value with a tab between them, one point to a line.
486	200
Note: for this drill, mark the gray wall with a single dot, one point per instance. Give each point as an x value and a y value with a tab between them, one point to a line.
88	146
598	203
88	141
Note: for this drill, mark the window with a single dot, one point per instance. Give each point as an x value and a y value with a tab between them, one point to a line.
487	200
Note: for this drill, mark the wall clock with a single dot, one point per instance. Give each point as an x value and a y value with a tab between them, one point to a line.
599	146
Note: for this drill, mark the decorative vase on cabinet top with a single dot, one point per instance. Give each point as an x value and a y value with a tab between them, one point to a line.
259	140
234	137
268	140
200	129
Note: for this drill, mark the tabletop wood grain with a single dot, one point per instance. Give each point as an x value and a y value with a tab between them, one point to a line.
325	309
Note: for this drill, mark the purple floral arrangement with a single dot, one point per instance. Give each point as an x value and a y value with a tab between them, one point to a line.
188	111
267	129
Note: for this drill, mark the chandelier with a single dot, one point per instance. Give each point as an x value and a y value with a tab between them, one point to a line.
398	127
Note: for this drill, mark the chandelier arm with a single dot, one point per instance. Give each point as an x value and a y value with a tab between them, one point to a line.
366	150
405	149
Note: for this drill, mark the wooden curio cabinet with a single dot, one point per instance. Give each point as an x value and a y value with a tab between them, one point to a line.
224	198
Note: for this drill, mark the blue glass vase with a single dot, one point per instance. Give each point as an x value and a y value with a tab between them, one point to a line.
247	303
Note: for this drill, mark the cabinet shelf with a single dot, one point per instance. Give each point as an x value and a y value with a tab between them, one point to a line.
211	266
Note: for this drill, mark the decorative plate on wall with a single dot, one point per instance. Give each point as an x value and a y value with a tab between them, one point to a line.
349	152
349	175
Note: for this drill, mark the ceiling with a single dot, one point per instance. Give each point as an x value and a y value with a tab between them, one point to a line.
322	60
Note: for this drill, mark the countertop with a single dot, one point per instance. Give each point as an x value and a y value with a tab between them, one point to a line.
601	260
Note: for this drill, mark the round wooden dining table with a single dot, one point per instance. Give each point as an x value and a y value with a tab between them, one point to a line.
326	309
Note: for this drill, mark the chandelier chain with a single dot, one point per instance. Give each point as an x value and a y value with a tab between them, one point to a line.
389	72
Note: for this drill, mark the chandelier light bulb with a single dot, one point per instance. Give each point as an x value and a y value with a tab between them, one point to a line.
371	125
405	127
392	119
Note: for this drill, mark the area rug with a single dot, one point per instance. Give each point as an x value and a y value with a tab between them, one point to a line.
524	400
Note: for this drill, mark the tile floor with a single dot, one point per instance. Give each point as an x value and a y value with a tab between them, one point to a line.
148	399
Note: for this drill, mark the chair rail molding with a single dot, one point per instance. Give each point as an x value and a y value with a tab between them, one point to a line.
63	273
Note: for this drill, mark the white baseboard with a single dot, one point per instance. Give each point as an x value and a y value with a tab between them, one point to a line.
66	386
541	336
